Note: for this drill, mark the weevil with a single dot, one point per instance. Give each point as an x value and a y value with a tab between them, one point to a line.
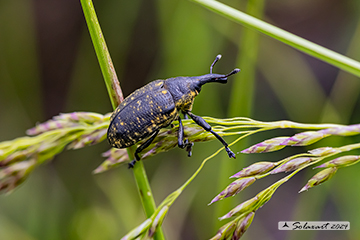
156	105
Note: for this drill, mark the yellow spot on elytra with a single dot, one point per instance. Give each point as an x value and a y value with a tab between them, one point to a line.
164	91
121	123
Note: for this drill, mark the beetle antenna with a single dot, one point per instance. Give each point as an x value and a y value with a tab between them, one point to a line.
215	61
236	70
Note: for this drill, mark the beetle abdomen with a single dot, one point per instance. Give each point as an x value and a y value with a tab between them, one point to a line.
136	118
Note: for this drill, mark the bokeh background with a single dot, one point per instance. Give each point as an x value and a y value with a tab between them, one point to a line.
48	66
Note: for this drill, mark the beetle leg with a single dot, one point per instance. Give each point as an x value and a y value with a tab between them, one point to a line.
189	146
181	143
180	134
202	123
142	147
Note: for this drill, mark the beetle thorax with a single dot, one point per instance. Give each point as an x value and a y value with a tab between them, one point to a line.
185	103
182	91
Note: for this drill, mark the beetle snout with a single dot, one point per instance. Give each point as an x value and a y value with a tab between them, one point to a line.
213	77
221	79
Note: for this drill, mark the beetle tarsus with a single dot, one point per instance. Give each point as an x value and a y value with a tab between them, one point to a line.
189	146
230	153
131	164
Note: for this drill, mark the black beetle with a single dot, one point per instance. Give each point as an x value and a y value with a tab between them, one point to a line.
154	106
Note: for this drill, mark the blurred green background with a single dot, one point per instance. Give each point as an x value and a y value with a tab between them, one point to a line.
48	66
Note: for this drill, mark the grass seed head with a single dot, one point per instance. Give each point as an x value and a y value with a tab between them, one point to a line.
292	165
225	231
254	169
319	178
305	138
269	145
343	130
242	226
341	162
247	206
234	188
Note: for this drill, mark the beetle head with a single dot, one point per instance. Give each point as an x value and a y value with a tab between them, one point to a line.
213	77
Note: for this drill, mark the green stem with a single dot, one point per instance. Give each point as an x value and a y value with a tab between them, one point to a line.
145	192
299	43
143	185
116	97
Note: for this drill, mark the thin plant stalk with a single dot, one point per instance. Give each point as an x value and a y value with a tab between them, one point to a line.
143	186
315	50
116	97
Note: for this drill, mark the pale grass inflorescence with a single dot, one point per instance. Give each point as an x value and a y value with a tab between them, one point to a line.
293	164
79	129
74	130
